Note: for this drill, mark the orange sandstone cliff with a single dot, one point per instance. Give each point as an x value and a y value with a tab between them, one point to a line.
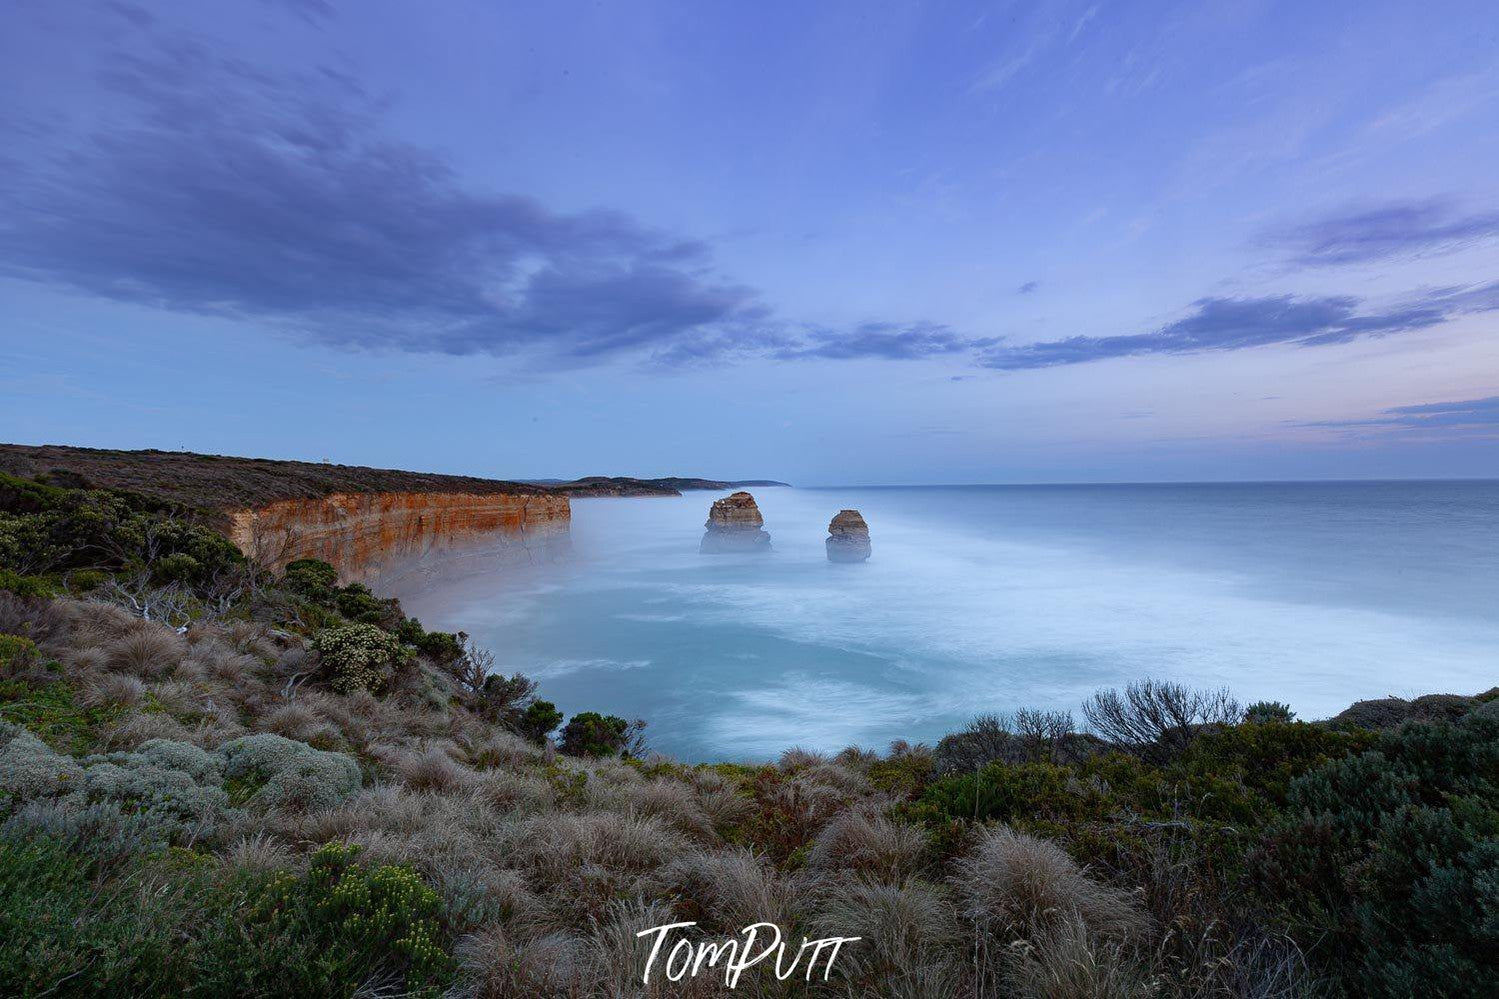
375	536
370	523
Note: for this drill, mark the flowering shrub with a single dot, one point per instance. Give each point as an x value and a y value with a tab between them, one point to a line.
361	921
359	656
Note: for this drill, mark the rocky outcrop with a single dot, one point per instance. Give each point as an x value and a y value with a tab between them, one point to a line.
735	525
380	535
848	538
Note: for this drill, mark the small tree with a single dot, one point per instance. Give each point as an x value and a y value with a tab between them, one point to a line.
985	740
538	721
589	733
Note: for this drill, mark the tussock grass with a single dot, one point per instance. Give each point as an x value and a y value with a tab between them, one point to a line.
855	841
1015	886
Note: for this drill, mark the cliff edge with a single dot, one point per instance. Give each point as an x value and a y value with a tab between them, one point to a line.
367	522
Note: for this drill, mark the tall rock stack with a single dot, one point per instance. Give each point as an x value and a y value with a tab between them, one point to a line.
848	538
734	525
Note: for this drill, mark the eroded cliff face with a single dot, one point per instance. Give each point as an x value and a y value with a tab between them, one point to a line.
382	536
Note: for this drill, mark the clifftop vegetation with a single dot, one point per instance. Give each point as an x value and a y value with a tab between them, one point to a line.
220	779
211	482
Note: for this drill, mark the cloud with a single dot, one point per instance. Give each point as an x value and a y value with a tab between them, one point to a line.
884	341
1395	229
1468	416
1218	324
232	193
1028	287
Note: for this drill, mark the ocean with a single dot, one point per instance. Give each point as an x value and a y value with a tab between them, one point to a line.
992	598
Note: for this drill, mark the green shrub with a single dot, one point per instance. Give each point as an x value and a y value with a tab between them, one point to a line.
359	656
16	653
311	578
332	930
45	529
589	733
1388	858
1263	712
71	925
50	709
64	930
25	586
1009	792
1264	758
443	648
86	580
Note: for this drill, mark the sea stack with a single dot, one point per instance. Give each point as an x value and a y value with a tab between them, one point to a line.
734	525
848	538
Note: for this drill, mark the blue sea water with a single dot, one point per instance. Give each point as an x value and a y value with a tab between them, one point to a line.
994	598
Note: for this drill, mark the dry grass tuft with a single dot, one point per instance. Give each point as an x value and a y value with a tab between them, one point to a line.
1065	961
724	807
497	964
146	652
433	770
673	802
298	720
857	759
797	758
730	889
514	792
908	934
857	842
176	696
112	688
133	729
555	847
504	749
261	854
1017	886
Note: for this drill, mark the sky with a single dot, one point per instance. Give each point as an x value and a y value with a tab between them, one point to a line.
832	243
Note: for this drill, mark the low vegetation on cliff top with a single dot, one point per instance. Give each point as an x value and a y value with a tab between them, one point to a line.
219	780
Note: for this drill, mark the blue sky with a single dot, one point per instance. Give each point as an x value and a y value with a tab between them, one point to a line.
831	243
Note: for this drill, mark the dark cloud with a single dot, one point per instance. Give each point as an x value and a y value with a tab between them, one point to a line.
883	341
1466	416
1218	324
235	194
1396	229
1028	287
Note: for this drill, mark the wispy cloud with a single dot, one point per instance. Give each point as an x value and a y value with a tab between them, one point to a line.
1394	229
884	341
1468	416
1220	324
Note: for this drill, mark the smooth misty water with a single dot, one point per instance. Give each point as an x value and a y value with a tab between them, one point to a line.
994	598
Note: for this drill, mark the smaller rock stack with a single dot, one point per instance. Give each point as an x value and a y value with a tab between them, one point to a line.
734	525
848	538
